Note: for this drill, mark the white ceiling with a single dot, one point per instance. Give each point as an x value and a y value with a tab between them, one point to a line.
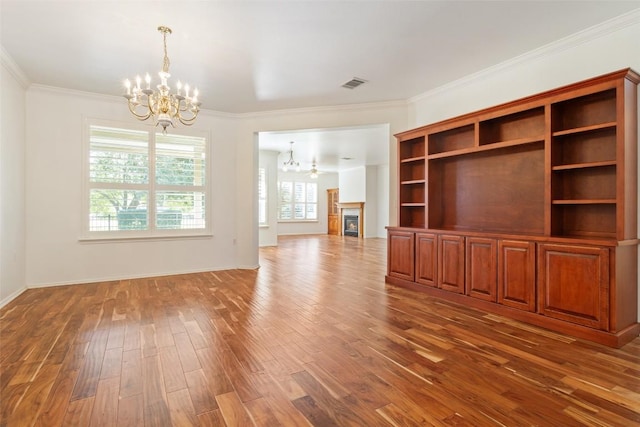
250	56
332	149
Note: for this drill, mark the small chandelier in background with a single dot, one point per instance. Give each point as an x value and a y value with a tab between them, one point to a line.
162	105
291	163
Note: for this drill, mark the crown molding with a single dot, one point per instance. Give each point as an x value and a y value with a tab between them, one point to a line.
114	99
330	108
12	67
592	33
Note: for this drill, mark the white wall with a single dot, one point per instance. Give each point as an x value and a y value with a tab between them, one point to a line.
269	233
368	184
54	255
325	181
353	185
608	47
600	50
393	113
383	201
51	251
371	202
12	187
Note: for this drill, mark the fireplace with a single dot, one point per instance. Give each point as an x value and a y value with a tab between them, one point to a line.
355	212
350	225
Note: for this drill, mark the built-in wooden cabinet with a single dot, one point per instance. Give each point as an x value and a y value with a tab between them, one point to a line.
333	216
529	208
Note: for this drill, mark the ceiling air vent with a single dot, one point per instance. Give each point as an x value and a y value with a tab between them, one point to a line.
354	83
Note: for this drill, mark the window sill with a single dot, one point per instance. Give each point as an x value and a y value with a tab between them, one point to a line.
142	238
293	221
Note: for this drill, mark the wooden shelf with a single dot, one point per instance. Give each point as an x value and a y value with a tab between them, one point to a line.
413	159
585	202
413	182
584	129
420	205
486	147
584	165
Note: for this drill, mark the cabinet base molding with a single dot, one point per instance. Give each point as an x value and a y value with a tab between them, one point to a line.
610	339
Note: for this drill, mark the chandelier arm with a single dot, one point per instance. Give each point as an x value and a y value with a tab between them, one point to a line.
186	122
139	116
182	106
151	104
176	106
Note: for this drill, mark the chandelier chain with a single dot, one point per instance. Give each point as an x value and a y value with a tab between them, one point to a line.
165	63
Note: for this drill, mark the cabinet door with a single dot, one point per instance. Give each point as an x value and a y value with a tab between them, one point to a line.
426	259
333	227
451	263
573	284
481	270
516	274
400	254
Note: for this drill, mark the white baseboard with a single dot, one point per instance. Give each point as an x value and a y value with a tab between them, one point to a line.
130	277
11	297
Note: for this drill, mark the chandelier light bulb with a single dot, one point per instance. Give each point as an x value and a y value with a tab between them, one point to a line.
164	107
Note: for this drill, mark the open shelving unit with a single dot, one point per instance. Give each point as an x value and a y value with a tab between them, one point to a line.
547	183
412	182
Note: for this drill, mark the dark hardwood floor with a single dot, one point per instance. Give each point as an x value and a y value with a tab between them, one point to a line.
314	337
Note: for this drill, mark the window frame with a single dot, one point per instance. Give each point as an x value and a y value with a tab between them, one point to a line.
294	178
263	172
152	188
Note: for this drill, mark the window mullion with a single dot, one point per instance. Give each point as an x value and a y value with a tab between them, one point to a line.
151	208
181	188
117	186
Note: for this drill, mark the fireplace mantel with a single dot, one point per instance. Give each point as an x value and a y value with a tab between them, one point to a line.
351	205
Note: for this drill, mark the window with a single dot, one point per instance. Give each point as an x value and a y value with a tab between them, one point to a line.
143	183
262	196
298	201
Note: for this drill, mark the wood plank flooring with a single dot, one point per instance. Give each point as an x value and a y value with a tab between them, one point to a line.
314	337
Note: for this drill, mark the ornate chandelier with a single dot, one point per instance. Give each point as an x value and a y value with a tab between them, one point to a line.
291	163
162	105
